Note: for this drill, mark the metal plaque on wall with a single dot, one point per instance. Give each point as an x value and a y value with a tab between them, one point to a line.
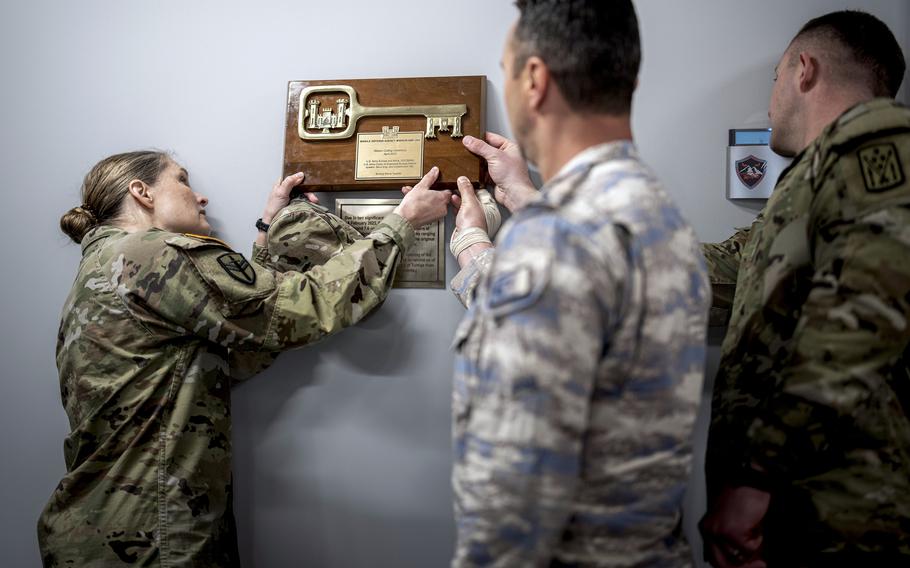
424	266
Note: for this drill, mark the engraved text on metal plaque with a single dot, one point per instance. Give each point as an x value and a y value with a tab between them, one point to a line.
424	266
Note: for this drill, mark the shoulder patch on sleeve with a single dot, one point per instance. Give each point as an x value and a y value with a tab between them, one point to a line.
510	287
237	267
515	286
881	167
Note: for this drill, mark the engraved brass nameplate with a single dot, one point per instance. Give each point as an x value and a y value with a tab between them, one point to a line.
424	266
389	155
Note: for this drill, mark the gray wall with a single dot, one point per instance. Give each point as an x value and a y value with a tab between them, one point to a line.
342	449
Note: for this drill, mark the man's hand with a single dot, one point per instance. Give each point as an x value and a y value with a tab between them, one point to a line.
732	528
281	195
421	205
469	214
468	209
507	169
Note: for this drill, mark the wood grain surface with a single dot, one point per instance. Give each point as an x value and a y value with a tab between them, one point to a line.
329	164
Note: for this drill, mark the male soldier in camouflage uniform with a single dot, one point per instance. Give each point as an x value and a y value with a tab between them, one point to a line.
809	451
580	360
157	327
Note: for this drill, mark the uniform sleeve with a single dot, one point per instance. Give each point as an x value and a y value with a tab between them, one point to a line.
840	391
245	365
304	235
528	353
465	282
261	257
203	289
723	269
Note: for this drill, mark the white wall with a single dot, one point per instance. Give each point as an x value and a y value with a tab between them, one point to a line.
342	449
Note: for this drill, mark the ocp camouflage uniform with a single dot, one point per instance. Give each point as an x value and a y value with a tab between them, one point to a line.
813	385
578	375
304	235
157	327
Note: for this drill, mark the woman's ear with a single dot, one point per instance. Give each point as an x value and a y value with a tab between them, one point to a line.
141	194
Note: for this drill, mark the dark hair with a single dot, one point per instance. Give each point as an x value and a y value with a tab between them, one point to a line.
591	47
869	43
105	187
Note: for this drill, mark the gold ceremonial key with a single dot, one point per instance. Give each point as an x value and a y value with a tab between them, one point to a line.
348	111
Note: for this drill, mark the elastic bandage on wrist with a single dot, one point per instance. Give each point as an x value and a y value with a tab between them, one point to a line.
490	211
464	238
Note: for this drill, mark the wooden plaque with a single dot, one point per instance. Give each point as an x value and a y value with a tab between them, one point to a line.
385	151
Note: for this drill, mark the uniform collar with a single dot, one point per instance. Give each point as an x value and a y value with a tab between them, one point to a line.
103	232
866	117
98	233
874	117
871	106
561	186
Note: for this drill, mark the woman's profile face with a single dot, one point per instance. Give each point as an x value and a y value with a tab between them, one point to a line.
178	208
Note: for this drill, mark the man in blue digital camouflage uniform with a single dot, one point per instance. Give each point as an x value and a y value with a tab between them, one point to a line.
580	360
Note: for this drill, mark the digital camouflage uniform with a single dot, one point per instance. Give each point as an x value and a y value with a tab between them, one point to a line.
578	375
155	330
813	385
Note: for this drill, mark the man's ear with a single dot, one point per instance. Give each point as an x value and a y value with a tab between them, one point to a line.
141	194
808	71
537	82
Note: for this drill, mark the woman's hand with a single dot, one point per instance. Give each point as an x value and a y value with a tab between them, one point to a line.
281	195
278	199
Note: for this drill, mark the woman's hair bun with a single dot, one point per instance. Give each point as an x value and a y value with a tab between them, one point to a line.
77	222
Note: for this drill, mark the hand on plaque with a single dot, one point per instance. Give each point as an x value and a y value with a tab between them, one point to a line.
422	205
507	169
468	208
472	219
281	195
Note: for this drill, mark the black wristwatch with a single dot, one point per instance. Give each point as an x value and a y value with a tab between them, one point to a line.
262	226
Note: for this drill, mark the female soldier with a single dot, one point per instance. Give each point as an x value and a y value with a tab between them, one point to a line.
160	320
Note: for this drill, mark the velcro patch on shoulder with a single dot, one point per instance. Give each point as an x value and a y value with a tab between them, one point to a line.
510	287
880	165
517	287
237	267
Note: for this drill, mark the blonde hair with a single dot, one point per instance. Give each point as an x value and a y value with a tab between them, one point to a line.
105	187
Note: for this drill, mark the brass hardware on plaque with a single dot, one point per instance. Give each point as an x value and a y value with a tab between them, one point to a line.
390	133
347	112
